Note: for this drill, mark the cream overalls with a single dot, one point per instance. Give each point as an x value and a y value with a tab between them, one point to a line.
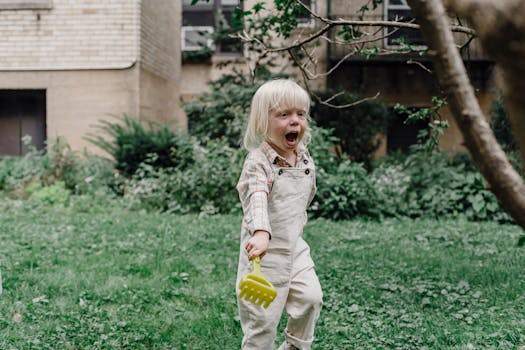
287	264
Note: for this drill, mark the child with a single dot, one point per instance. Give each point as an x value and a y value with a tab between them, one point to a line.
276	186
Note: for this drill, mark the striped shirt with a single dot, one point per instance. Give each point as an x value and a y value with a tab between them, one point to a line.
255	184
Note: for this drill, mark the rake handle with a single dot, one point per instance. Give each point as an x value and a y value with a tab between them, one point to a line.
256	264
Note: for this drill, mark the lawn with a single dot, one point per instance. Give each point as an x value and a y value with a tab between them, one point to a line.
136	280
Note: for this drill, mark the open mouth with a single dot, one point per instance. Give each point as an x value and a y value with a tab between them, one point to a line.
292	136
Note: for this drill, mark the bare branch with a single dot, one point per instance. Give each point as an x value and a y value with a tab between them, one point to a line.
411	61
348	105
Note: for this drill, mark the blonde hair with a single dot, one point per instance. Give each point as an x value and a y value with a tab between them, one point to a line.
274	95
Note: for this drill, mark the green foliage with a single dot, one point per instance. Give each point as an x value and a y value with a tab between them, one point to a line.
16	173
221	113
207	186
428	139
356	127
431	185
133	142
56	163
323	148
60	164
198	56
500	124
55	194
345	193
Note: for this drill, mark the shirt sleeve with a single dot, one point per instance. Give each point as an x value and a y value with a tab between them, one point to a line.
253	188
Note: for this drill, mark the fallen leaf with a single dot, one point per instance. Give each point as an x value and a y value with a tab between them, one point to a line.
40	299
353	308
17	317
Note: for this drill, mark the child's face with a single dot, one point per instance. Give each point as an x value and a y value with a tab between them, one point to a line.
286	128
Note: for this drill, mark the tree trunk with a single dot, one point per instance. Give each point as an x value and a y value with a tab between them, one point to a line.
501	28
505	182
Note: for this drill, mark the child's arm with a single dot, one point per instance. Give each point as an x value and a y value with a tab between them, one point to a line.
253	190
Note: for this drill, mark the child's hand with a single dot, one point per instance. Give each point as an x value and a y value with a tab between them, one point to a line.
258	244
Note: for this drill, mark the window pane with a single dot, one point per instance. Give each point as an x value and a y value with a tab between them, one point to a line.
412	36
197	18
196	38
305	18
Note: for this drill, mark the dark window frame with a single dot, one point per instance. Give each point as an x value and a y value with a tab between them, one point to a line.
205	20
391	11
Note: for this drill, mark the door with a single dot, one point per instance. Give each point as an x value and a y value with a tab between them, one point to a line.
22	112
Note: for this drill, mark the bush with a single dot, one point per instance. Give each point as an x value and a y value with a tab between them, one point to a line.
221	114
55	194
431	184
322	148
132	142
207	186
56	163
500	124
345	193
356	127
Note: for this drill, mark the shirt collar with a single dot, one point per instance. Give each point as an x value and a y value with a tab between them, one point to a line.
275	158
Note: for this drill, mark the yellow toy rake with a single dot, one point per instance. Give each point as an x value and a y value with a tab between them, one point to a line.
255	288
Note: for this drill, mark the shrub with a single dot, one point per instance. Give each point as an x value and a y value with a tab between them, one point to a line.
500	124
132	142
56	163
222	113
208	185
345	193
55	194
431	184
322	148
356	127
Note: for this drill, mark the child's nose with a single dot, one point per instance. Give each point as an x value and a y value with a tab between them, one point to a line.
294	118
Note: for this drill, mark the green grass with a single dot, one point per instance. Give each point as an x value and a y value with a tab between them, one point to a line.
128	280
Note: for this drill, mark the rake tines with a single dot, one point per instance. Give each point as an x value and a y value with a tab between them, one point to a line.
255	288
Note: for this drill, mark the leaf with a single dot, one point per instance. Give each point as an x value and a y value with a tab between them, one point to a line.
40	299
354	308
17	317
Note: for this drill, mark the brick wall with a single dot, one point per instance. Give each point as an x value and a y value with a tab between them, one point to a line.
160	37
72	34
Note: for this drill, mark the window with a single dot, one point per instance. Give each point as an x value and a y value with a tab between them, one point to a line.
401	135
22	112
307	20
398	10
195	37
26	4
202	20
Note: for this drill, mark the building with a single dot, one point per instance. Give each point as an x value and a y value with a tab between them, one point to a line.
65	65
397	77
